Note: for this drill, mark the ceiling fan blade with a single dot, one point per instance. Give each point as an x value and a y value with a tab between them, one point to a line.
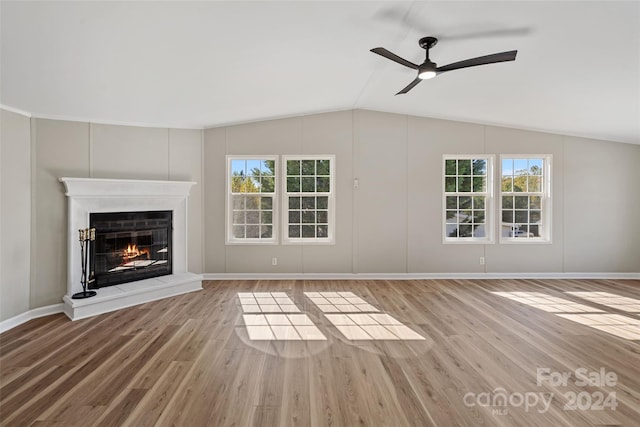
481	60
410	86
392	56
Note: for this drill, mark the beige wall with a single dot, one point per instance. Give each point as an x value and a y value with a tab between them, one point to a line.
15	217
392	223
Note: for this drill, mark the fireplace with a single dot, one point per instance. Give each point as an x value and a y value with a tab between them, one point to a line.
112	206
130	246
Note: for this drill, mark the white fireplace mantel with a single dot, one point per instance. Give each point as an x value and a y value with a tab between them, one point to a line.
91	195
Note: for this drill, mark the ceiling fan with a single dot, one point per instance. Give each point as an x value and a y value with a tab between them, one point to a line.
429	69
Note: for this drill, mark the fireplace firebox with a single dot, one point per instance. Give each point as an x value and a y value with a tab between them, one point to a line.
130	246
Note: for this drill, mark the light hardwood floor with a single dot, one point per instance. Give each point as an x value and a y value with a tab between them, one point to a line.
188	360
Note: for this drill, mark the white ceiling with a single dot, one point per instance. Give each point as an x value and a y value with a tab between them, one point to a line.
207	64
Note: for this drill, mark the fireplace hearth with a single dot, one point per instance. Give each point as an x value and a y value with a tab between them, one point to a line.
130	246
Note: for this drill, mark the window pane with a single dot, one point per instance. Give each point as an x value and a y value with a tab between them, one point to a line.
520	166
238	202
507	184
535	202
450	184
252	202
308	203
253	217
253	232
267	184
253	167
308	231
465	230
521	202
464	167
238	217
478	217
294	202
308	217
478	184
450	167
238	231
478	202
507	167
323	202
507	216
266	217
464	184
293	167
522	216
294	217
323	167
479	231
268	168
534	216
507	202
322	185
308	167
464	202
322	231
519	184
308	185
293	184
266	203
534	183
535	166
266	231
322	217
479	167
294	231
452	218
452	202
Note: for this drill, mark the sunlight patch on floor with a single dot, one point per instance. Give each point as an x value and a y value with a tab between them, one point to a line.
548	303
614	324
267	302
618	302
373	326
339	302
287	327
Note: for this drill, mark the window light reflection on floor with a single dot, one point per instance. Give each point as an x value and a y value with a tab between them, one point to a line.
285	327
618	302
267	302
614	324
372	326
339	302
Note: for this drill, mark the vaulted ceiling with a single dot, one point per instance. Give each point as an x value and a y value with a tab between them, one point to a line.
206	64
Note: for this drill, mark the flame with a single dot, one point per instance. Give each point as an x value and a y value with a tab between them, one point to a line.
132	251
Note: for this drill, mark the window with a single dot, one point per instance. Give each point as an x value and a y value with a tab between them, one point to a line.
308	199
467	199
525	198
251	191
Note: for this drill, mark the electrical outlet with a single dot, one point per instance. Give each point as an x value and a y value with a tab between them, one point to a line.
274	261
481	260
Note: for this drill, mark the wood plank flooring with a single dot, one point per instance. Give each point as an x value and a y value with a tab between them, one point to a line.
188	361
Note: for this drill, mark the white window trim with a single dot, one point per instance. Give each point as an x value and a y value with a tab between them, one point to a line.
489	203
229	239
330	239
545	201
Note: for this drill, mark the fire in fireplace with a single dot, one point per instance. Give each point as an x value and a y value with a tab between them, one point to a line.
130	246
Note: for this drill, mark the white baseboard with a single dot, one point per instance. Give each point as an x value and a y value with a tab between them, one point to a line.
414	276
30	315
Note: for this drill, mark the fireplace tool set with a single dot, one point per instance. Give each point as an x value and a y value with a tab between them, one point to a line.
86	235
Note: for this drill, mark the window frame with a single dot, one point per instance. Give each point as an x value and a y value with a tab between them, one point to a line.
488	203
331	226
546	212
229	238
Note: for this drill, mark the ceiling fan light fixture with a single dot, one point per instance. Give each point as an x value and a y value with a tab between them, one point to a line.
427	71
